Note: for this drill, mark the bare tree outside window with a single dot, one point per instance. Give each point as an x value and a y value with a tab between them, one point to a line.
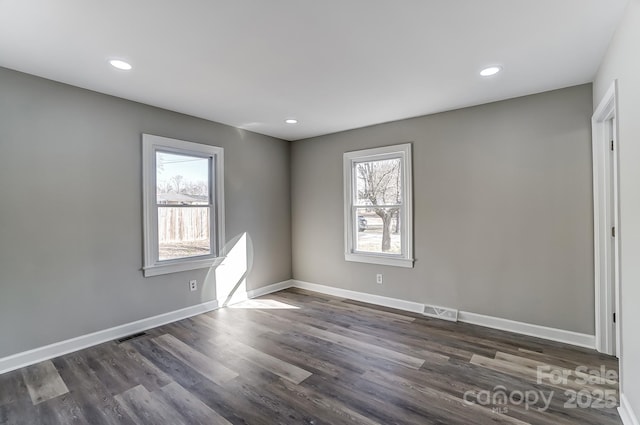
379	189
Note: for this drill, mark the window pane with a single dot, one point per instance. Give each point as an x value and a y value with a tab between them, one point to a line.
182	179
378	230
183	232
379	182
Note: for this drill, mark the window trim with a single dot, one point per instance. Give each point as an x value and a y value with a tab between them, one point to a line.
152	266
402	151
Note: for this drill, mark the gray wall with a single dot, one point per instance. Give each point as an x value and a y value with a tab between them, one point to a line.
71	210
622	62
503	222
502	207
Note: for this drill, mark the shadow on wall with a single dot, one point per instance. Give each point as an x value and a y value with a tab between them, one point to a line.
229	278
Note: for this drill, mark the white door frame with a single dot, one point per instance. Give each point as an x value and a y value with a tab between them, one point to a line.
605	194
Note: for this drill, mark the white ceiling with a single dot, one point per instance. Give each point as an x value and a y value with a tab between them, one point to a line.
332	64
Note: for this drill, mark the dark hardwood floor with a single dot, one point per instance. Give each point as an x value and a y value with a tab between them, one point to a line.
297	357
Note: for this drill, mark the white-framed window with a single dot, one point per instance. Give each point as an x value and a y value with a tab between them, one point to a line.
378	206
183	190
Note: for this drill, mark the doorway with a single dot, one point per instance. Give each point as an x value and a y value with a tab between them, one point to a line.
606	224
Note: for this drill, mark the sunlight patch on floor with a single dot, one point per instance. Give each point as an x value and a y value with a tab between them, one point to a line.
264	304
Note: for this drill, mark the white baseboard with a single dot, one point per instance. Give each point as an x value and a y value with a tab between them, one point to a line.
50	351
559	335
269	289
360	296
47	352
626	412
240	296
552	334
26	358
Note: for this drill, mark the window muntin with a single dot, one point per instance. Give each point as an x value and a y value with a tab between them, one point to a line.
378	206
184	222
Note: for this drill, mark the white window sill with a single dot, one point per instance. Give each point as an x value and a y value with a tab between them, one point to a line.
379	259
181	266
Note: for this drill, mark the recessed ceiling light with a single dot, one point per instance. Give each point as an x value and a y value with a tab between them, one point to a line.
492	70
116	63
291	121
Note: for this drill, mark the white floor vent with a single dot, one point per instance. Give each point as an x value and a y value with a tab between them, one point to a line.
441	313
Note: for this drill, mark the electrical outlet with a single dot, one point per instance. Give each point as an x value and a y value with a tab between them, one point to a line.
193	285
379	278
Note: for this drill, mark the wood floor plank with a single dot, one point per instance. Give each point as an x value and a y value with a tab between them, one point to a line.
596	376
316	316
569	362
298	357
190	407
12	387
89	391
236	406
367	311
372	401
400	358
238	319
64	410
531	374
290	350
389	344
179	371
252	401
420	340
308	293
343	359
276	366
204	365
300	297
217	349
391	355
43	382
446	404
331	410
124	361
145	409
16	407
264	303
